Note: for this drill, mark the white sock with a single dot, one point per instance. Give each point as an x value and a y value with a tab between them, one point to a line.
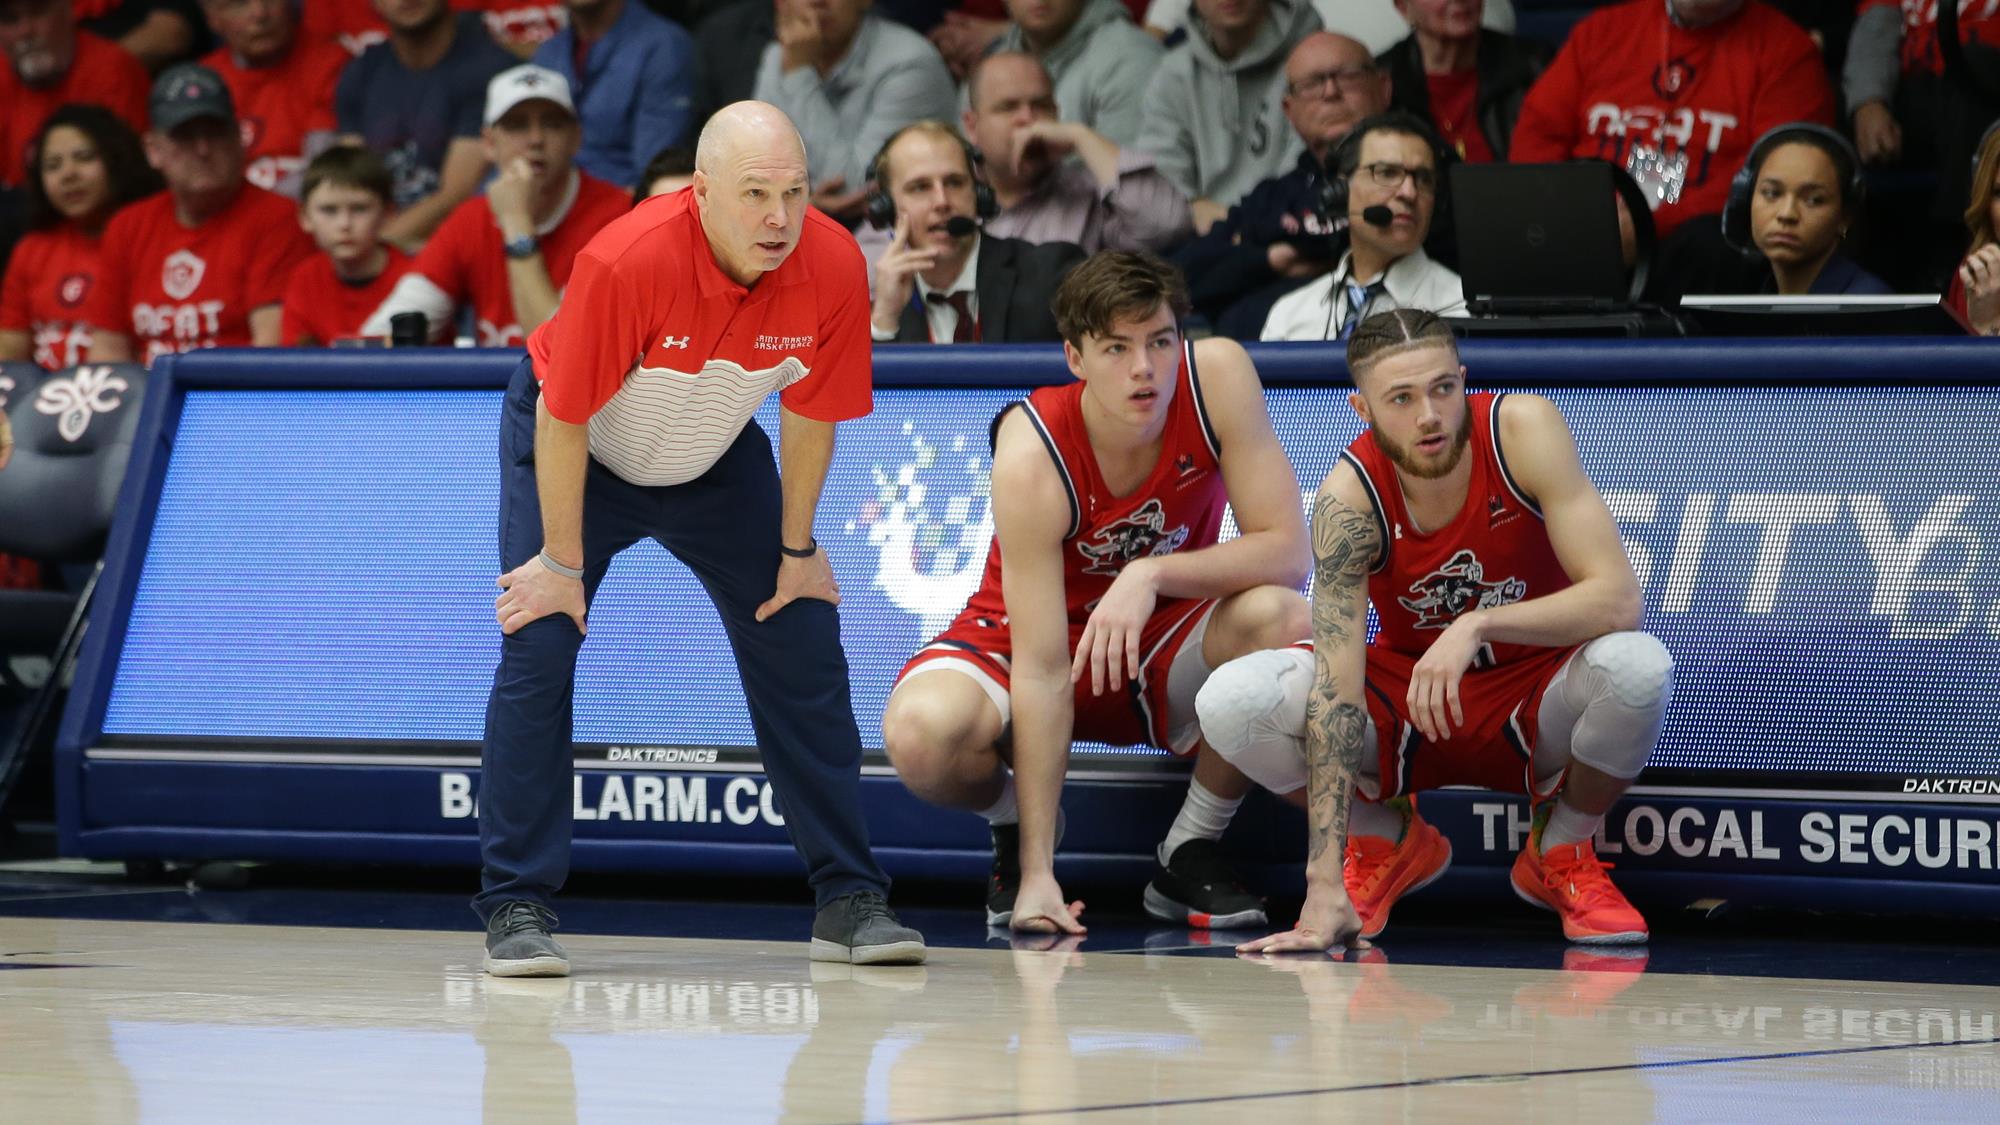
1568	826
1004	810
1387	819
1204	816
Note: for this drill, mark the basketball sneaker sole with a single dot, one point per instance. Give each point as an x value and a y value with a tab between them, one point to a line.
1179	913
1623	937
544	966
891	953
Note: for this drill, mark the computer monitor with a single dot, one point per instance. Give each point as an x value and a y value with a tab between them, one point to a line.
1539	238
1895	314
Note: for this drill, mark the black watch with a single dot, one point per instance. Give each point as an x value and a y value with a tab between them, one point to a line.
806	552
526	246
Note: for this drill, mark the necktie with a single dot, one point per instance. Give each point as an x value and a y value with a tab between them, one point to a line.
966	330
1358	297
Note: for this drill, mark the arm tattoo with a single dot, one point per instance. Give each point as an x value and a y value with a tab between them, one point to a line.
1345	541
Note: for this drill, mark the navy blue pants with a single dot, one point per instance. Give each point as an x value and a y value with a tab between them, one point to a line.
724	526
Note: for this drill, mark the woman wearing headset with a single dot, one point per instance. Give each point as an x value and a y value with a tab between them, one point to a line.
1791	207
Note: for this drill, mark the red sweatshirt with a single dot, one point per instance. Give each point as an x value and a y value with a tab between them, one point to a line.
1978	23
1629	76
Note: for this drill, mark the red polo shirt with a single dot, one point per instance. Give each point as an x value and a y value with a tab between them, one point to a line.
667	358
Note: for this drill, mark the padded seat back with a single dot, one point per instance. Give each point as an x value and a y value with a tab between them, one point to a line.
73	432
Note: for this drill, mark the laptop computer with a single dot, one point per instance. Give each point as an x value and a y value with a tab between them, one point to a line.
1538	239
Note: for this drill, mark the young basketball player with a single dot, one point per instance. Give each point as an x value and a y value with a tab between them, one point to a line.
1508	657
1106	599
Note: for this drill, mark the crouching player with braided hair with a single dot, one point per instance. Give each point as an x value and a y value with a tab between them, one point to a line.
1509	655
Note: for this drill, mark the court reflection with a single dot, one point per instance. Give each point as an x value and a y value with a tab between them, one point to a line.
160	1022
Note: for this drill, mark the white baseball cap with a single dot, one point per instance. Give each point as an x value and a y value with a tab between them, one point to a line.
527	82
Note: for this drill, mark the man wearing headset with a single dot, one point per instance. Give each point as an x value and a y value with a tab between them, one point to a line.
1384	179
943	281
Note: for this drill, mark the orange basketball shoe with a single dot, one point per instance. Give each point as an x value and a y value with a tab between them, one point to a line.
1572	881
1377	872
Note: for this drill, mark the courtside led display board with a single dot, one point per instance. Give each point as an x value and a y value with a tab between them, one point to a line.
1821	561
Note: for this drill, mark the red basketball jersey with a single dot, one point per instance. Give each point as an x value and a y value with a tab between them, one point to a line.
1496	551
1177	508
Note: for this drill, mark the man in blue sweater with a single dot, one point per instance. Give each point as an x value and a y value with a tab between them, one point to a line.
632	76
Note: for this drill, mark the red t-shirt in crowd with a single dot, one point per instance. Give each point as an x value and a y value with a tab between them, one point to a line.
467	260
1627	76
48	279
1978	24
355	26
1455	111
519	23
666	357
321	307
103	73
352	25
175	289
279	105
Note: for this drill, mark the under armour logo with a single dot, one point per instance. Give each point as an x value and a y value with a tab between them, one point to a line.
677	341
75	400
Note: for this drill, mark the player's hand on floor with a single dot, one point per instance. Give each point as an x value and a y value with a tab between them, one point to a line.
532	591
1039	908
810	577
1327	921
1108	651
1433	695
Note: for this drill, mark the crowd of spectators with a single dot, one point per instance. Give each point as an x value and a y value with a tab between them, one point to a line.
178	174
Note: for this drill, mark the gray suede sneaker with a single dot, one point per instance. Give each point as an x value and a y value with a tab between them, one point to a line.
518	942
861	929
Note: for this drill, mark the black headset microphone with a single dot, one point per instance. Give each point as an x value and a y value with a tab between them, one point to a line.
1378	216
958	226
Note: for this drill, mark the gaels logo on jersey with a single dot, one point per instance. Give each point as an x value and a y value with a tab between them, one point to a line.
1457	586
1141	534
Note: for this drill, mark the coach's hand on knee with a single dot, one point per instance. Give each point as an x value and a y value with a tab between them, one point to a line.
810	577
532	591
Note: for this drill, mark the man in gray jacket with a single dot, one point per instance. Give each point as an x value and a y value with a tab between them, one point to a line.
849	79
1059	180
1100	60
1215	117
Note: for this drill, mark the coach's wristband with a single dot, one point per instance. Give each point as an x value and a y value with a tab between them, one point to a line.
805	552
565	571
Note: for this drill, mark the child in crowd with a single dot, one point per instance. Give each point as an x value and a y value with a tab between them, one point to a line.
343	201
